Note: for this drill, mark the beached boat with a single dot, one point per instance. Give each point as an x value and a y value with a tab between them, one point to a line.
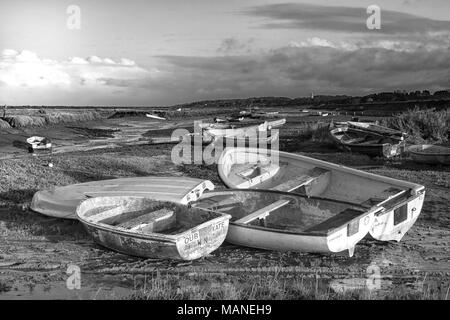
37	143
284	221
151	228
238	131
269	125
373	127
372	143
61	202
431	154
400	201
235	119
257	139
261	139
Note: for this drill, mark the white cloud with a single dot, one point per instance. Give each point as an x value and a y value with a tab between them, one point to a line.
27	69
381	43
312	42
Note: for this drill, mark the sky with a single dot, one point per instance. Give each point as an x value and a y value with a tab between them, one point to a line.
155	52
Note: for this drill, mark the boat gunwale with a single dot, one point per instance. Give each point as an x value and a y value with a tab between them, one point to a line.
365	211
152	236
381	211
414	186
428	154
342	129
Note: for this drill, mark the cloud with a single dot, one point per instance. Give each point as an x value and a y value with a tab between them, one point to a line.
26	78
297	70
316	64
312	42
342	19
27	69
235	46
394	44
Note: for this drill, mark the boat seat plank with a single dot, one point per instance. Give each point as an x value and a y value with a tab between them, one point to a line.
383	197
262	173
263	212
336	221
305	179
355	140
150	222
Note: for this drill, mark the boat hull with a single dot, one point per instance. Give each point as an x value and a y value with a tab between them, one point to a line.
434	155
281	221
62	202
194	243
400	201
386	150
284	241
393	224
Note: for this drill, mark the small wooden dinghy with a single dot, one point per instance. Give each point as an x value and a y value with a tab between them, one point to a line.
431	154
259	140
400	201
372	143
373	127
284	221
37	143
241	131
61	202
153	229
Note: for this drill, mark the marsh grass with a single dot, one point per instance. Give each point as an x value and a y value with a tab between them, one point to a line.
237	287
273	286
4	124
43	118
421	125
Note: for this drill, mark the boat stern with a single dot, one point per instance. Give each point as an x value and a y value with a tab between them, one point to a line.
203	239
349	235
392	224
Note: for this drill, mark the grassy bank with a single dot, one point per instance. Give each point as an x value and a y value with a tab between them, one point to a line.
422	126
43	118
274	286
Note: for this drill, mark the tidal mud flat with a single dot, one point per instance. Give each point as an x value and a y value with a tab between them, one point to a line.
37	252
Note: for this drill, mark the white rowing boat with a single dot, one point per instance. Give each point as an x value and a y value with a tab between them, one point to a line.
400	201
153	229
284	221
61	202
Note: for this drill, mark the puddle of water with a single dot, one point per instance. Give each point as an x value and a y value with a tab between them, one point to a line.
60	291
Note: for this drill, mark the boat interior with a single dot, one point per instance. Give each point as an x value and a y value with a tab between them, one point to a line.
361	137
281	210
146	216
257	171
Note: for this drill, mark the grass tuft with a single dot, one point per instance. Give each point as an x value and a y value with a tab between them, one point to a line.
422	126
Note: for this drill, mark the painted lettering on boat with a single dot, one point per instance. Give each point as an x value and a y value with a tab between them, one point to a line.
218	226
192	237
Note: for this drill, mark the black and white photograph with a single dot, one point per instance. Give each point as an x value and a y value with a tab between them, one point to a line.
239	152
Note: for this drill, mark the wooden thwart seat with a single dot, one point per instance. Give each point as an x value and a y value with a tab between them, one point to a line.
258	174
263	212
383	197
305	179
336	221
150	222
